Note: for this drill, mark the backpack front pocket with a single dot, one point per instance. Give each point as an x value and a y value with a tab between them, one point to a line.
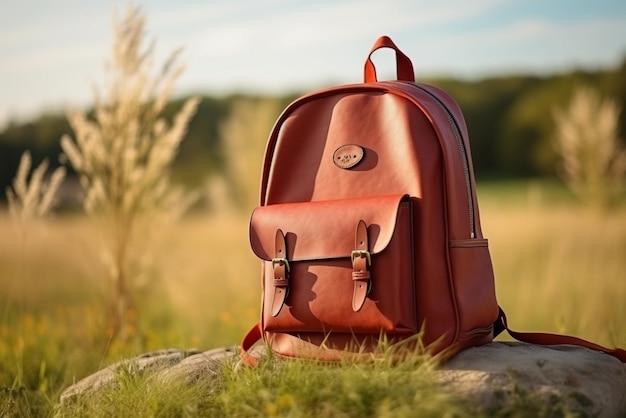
337	266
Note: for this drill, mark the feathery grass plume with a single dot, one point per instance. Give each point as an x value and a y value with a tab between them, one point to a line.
122	154
244	135
34	198
587	140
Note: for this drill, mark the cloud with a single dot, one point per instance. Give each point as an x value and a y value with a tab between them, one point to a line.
533	45
227	26
289	45
48	48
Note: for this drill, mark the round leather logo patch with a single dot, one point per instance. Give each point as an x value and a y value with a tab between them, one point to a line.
347	156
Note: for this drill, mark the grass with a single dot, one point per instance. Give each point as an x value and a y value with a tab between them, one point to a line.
559	266
383	387
558	269
277	388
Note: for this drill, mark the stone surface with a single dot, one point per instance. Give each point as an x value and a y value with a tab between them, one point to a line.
590	382
492	376
150	362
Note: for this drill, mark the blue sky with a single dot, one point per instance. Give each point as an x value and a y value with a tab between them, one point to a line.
52	53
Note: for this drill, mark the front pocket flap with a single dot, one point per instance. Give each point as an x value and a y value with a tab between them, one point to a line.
324	229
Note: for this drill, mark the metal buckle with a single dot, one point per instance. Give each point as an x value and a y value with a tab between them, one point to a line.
281	262
360	254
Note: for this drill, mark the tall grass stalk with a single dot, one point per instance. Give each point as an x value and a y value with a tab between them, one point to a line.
244	135
587	139
123	153
32	195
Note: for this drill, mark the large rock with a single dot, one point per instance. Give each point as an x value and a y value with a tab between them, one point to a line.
590	382
492	376
150	362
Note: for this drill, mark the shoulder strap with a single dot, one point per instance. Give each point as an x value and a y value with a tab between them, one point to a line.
253	335
553	339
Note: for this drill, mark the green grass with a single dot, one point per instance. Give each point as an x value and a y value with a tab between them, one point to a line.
559	268
279	388
383	387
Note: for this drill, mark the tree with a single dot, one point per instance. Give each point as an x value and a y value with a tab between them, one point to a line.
122	154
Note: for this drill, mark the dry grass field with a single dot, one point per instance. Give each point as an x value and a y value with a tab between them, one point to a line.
559	268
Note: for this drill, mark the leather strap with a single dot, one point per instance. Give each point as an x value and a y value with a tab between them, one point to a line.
404	67
252	336
361	260
280	266
553	339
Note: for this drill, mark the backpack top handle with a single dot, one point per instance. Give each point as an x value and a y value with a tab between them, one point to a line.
404	67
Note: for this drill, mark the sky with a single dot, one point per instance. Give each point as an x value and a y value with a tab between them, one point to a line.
52	53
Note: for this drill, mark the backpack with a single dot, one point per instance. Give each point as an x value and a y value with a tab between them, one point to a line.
368	228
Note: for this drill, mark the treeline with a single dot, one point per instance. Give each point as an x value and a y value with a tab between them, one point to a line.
510	120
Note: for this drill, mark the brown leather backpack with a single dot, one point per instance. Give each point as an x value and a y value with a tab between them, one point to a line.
368	225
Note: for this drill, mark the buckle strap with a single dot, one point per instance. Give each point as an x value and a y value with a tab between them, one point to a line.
281	268
361	261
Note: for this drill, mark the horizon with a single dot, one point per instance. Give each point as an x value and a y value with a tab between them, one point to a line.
60	109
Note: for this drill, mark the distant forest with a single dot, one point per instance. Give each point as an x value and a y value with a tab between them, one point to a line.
510	121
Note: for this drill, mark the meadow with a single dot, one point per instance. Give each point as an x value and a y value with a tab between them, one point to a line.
559	268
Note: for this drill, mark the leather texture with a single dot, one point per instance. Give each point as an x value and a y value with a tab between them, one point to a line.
555	339
322	238
368	225
404	66
280	273
414	167
361	261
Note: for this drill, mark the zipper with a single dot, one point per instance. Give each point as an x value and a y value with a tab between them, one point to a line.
461	146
